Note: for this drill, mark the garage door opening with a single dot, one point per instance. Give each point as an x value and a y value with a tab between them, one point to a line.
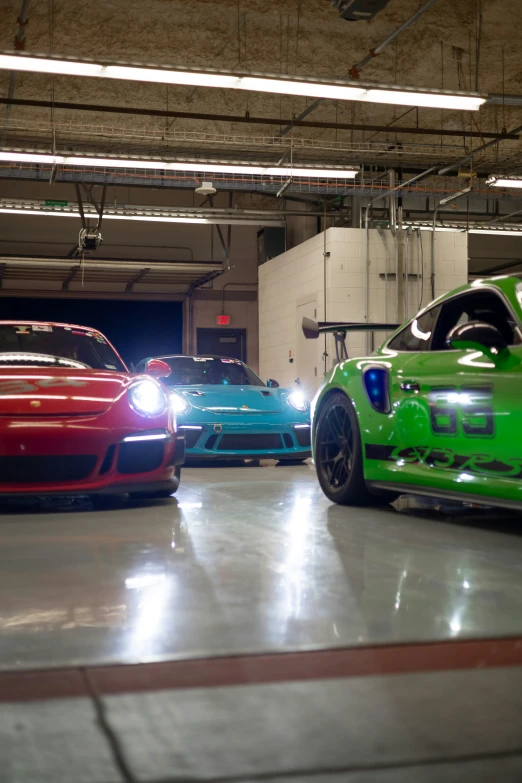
136	328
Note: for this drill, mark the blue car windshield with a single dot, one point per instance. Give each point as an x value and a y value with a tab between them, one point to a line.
196	371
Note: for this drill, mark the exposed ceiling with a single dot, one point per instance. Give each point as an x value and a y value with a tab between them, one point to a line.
442	49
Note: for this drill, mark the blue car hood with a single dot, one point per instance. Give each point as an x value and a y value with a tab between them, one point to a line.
232	399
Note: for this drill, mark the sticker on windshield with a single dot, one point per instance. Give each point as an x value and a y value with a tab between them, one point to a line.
231	361
200	359
23	329
110	366
41	328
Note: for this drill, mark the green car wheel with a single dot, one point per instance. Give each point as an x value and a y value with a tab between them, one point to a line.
338	461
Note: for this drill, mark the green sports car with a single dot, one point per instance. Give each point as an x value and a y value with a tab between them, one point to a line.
436	410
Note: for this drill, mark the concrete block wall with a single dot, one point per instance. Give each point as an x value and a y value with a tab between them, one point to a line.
298	275
283	281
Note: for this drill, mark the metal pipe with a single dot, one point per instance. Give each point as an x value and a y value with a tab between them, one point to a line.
251	120
227	285
457	163
401	315
384	195
499	99
353	73
441	203
392	202
381	234
407	273
420	270
355	70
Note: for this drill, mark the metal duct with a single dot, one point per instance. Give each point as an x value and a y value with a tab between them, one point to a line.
355	10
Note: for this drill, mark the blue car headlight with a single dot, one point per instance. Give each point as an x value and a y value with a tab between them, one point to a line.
178	404
298	401
147	398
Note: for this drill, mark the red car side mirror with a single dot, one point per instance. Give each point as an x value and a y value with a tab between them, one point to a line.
158	368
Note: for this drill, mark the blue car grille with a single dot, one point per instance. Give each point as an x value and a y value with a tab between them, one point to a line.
250	442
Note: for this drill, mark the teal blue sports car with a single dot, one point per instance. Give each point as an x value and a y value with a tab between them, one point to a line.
226	412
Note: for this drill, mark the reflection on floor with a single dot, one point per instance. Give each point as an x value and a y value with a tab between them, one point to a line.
243	560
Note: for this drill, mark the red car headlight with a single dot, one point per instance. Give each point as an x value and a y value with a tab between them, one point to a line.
147	398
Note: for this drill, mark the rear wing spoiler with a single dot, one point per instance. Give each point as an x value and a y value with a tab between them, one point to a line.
312	329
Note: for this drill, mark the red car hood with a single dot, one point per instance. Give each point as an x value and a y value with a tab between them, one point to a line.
58	392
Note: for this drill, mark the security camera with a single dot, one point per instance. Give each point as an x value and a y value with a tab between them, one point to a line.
89	240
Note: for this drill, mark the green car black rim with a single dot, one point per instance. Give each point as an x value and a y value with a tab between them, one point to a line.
336	447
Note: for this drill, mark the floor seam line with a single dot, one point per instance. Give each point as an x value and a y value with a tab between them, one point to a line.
299	773
111	737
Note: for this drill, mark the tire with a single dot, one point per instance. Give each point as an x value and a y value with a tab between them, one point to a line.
161	493
338	458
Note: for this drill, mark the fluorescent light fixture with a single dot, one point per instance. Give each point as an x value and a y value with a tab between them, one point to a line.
318	88
505	182
336	92
438	228
144	216
13	62
108	216
426	99
163	165
500	232
464	230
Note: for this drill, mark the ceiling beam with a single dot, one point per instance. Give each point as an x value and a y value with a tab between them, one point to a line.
134	110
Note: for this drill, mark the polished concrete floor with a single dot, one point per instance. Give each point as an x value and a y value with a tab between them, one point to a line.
248	559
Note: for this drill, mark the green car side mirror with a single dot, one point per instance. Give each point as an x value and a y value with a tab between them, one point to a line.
477	335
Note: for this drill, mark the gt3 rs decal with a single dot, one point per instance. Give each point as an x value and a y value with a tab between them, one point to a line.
481	464
466	408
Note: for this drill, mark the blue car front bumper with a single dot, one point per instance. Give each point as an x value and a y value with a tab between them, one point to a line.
256	440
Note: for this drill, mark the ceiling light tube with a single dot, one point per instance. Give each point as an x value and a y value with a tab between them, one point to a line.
148	218
505	182
501	232
200	167
318	88
465	230
426	99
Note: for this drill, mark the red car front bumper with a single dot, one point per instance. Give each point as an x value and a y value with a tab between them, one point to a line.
86	455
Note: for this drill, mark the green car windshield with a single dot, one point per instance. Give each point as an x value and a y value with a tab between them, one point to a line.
197	371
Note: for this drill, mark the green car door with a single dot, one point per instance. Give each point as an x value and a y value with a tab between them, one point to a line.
460	409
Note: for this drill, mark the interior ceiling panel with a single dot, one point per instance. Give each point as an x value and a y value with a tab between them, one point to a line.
98	275
297	39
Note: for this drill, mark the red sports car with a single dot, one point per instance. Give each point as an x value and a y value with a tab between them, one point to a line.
74	421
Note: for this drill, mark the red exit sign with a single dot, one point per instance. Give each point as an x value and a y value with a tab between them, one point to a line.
223	320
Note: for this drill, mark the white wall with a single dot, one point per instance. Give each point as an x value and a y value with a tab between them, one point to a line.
296	276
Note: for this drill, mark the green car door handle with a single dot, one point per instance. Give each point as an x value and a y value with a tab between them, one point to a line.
410	386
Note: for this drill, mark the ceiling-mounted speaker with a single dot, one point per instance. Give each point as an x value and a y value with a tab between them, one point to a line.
206	189
357	10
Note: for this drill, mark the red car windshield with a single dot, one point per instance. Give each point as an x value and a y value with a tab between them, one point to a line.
43	345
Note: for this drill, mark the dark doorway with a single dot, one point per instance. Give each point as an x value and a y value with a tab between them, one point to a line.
223	342
137	329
